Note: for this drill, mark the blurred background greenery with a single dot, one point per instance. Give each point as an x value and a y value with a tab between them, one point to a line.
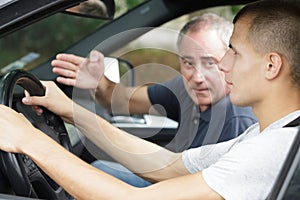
53	34
56	33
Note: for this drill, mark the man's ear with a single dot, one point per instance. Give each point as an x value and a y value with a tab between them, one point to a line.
274	65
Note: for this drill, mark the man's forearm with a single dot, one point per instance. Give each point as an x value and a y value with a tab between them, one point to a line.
112	96
84	182
103	93
138	155
119	99
78	178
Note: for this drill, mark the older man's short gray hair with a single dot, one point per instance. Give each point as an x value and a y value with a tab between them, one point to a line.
208	21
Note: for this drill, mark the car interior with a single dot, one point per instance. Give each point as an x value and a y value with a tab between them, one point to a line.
20	178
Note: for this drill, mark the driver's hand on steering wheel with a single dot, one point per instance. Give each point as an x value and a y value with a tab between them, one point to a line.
54	100
16	130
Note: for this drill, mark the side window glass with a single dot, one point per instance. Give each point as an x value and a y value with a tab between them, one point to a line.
154	55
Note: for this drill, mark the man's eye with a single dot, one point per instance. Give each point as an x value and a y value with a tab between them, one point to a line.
187	63
209	63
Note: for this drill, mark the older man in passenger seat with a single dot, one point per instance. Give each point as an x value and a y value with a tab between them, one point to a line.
242	168
198	99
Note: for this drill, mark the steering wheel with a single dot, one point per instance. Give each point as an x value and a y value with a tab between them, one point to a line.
24	176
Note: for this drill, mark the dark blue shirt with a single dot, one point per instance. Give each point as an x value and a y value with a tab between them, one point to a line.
221	122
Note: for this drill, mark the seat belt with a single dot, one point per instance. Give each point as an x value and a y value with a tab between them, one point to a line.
295	122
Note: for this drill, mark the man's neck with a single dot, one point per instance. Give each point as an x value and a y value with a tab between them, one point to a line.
267	113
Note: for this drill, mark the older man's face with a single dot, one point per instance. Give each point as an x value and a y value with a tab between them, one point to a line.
200	53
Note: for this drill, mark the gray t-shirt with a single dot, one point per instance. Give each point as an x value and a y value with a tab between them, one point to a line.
245	167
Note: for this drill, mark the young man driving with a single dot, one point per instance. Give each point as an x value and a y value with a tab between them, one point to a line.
242	168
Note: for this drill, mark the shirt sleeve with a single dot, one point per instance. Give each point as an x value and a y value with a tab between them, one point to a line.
200	158
164	94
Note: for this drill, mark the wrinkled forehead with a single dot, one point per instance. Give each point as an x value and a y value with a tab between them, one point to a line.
202	44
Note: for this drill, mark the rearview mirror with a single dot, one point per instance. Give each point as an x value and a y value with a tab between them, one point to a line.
100	9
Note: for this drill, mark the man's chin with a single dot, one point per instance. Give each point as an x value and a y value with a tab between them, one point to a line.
237	101
202	102
198	99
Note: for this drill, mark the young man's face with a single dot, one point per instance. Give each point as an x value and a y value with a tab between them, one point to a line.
200	53
243	67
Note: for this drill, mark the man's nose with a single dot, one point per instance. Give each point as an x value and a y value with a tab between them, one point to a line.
226	62
198	75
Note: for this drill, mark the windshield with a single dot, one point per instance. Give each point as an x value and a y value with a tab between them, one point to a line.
27	48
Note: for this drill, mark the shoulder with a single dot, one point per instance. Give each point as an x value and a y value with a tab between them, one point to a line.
176	82
255	156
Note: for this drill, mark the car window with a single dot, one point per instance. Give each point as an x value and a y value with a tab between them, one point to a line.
154	54
38	42
31	46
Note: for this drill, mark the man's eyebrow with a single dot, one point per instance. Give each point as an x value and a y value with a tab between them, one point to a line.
201	57
186	57
207	57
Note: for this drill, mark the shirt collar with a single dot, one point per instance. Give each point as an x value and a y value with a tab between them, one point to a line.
285	120
220	105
